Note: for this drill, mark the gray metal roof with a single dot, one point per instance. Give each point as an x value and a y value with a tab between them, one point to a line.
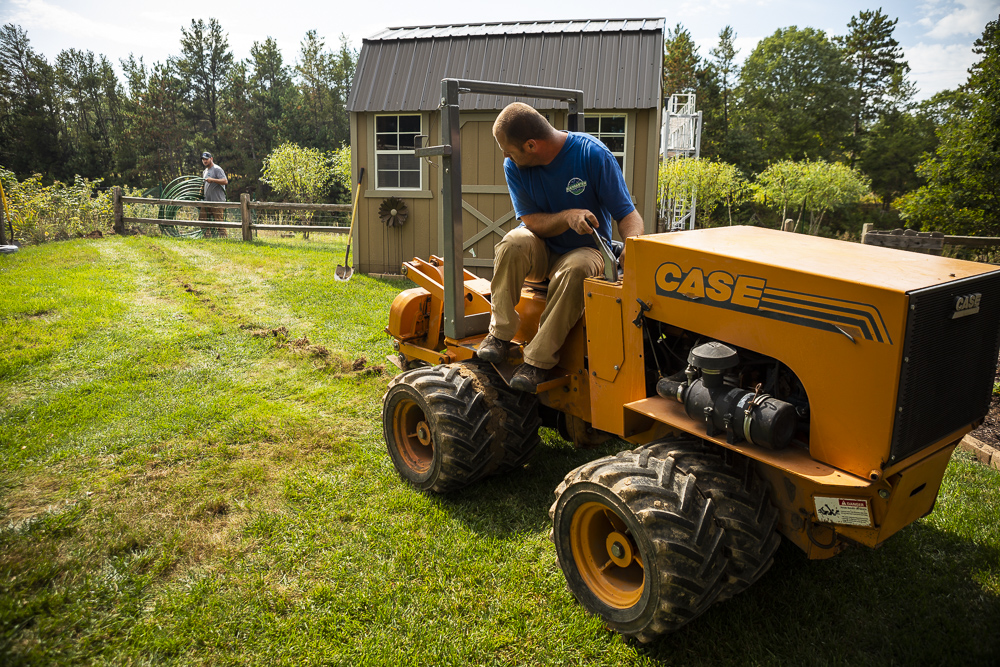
617	63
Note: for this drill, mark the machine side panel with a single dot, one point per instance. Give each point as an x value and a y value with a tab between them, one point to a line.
609	327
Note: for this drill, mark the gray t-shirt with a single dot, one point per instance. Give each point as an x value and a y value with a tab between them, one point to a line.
214	191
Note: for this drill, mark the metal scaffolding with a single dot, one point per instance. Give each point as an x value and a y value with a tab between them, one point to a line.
681	138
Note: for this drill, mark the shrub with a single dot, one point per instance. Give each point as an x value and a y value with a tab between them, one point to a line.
40	213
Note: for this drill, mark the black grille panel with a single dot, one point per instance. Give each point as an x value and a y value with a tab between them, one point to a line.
948	380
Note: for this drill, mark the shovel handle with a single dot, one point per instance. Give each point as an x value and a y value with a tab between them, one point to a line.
354	210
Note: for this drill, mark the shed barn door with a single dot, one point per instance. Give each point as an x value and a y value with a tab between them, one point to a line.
487	211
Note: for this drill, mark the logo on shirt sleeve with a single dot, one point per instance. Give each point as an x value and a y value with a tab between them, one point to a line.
576	186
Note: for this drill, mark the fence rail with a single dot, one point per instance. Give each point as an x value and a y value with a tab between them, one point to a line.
927	242
180	202
245	206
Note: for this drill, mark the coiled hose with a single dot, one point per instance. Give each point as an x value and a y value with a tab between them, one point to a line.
188	188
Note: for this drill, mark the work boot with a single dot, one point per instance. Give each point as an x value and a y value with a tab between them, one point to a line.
527	377
493	350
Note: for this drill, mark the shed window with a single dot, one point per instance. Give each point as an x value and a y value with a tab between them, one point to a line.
395	164
611	131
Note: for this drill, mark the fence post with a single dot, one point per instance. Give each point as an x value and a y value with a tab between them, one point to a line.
245	216
119	226
867	227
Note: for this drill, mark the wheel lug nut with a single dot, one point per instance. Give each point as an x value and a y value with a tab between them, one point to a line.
617	550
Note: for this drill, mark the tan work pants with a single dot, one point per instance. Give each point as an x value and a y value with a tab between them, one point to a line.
521	255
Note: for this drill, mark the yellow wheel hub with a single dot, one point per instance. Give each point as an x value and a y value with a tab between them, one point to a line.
413	436
606	555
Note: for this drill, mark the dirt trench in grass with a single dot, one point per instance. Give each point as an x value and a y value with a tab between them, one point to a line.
223	272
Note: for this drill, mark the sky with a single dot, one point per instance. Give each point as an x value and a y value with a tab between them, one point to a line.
936	35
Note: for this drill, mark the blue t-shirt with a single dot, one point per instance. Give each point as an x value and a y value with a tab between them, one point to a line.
585	175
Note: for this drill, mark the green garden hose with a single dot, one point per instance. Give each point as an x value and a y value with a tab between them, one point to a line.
188	188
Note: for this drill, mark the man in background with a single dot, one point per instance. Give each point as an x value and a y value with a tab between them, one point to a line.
215	190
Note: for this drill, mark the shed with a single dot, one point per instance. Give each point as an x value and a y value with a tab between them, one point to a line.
395	97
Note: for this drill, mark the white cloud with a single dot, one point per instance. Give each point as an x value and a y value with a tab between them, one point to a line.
968	17
936	67
41	15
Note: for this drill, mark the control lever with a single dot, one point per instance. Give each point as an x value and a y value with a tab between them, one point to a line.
610	263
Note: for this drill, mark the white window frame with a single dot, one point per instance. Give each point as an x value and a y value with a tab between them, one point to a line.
600	135
408	151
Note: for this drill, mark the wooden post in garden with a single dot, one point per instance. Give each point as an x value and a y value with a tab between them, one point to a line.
119	226
868	226
245	216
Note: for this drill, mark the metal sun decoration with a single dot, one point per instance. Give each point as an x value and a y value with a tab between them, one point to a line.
393	212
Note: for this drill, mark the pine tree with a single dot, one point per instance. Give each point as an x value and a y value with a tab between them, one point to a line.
29	121
205	60
680	62
727	71
880	83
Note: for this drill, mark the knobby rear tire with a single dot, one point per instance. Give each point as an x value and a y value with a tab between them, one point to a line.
516	417
435	421
447	427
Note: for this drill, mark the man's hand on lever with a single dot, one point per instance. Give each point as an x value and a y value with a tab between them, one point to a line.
582	221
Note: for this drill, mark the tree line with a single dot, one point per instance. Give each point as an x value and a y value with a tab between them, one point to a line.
75	116
801	95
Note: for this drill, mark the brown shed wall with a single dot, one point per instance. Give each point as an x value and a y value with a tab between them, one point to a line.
379	249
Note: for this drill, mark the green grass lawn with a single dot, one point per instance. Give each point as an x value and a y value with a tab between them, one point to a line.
192	471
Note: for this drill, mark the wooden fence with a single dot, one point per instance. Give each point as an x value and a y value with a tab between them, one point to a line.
931	243
246	207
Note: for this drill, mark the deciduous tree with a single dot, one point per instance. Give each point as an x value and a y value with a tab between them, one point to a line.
816	186
710	183
893	148
829	185
795	98
779	186
962	194
302	174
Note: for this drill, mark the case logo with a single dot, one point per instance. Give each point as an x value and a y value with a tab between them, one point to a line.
576	186
752	295
966	305
718	286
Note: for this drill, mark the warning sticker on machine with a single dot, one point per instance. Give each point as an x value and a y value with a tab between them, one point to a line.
846	511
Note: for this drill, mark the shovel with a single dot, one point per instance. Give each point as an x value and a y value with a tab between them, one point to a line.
345	272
